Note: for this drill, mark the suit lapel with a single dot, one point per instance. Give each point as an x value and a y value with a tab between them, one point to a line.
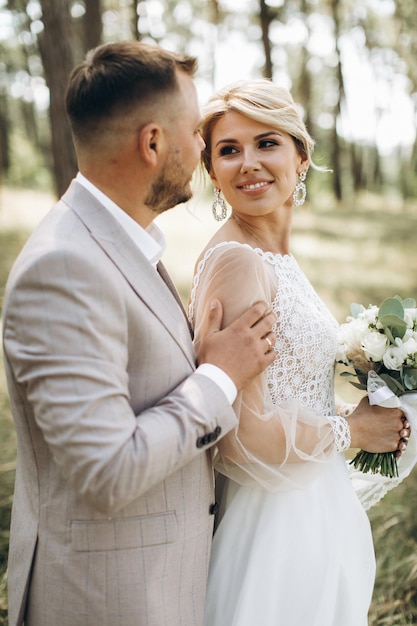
167	280
158	293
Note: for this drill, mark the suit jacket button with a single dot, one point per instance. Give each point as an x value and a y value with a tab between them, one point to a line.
203	441
214	508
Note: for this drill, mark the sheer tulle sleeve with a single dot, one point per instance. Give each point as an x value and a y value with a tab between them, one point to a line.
276	447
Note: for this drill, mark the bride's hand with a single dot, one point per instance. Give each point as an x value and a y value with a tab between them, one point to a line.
378	429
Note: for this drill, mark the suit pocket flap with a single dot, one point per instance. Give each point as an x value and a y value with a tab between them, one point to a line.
123	534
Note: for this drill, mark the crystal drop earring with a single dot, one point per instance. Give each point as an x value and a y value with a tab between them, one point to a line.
300	191
219	202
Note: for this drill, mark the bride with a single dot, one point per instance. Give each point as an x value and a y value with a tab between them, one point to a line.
293	546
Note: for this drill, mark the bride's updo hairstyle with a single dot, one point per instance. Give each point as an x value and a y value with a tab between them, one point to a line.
264	102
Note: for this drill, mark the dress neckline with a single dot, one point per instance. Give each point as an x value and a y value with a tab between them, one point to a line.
264	253
268	257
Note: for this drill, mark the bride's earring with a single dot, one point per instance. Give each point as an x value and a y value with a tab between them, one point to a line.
300	191
219	202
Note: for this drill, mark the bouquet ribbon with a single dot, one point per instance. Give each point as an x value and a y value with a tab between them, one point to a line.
383	397
380	394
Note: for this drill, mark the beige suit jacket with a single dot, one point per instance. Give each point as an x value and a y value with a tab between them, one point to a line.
111	520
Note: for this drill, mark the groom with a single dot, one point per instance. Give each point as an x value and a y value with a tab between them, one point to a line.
113	506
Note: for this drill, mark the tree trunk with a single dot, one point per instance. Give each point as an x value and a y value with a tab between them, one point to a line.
135	21
356	152
336	147
93	27
265	19
57	58
304	84
4	137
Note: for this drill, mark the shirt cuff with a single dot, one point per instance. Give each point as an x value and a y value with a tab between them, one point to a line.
221	379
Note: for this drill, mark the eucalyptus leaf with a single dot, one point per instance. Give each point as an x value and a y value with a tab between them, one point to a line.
391	306
391	317
358	385
355	309
394	324
389	334
409	303
410	378
395	386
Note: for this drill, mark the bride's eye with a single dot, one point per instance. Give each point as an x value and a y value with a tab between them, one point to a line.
225	150
268	143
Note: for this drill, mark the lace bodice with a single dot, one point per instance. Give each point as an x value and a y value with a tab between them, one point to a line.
306	340
283	439
306	333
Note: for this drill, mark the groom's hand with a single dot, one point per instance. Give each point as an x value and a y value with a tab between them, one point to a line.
244	348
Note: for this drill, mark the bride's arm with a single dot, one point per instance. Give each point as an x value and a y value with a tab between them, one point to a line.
275	446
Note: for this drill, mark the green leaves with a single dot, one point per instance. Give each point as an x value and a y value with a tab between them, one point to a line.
393	382
391	316
410	378
355	309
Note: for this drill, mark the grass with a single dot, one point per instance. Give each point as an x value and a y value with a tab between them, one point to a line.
395	534
362	253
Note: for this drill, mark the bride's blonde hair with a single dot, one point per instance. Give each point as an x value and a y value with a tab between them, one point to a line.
264	102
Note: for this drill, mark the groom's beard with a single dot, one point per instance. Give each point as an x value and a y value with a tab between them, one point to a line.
172	186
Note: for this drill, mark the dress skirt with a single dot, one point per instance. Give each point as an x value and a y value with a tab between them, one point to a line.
298	558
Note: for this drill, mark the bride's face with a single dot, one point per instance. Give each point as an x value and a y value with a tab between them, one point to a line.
254	165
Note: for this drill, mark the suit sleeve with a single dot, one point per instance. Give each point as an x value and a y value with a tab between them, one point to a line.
66	345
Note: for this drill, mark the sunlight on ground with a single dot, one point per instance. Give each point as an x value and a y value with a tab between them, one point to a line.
23	208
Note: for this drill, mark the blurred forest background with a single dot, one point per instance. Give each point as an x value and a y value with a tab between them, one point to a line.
350	64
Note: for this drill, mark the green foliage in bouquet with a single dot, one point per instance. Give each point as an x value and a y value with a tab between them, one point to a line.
390	321
383	339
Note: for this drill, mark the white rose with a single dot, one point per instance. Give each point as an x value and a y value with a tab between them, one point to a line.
374	345
341	354
343	345
357	329
409	318
407	335
409	349
350	339
370	315
393	358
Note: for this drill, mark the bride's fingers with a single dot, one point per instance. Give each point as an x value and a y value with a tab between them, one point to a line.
402	446
404	434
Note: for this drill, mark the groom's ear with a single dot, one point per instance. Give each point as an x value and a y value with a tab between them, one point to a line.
151	144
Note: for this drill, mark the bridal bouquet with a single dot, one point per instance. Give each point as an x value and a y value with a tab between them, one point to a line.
381	340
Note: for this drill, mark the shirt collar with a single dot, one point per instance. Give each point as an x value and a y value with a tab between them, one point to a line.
151	242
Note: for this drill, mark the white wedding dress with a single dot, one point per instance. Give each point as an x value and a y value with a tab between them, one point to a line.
293	546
